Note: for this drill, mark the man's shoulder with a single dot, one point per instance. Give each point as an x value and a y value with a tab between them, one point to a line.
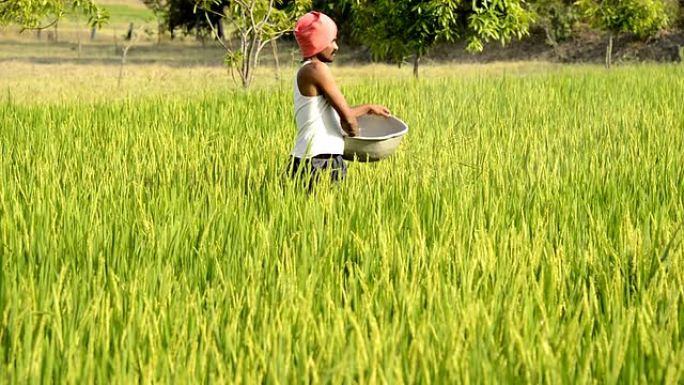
314	69
314	75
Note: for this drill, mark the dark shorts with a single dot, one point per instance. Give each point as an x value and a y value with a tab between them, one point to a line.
311	170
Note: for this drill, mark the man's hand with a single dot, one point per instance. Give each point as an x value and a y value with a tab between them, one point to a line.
371	109
376	109
350	127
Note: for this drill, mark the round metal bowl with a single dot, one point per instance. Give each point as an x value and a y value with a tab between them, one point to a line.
378	138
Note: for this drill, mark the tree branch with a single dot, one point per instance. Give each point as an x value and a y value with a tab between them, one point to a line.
213	12
267	16
52	23
274	37
232	75
251	13
257	53
211	25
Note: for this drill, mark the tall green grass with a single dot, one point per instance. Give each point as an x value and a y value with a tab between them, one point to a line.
527	231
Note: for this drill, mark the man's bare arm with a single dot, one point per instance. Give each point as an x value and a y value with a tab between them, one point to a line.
325	82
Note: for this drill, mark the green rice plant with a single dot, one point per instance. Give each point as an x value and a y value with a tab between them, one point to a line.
528	230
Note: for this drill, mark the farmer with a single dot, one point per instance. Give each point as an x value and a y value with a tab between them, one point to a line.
321	111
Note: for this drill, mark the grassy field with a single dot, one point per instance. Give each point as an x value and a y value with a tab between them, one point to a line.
527	231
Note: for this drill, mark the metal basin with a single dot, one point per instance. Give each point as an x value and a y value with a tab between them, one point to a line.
378	138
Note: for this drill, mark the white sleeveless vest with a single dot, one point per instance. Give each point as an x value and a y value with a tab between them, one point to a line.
318	125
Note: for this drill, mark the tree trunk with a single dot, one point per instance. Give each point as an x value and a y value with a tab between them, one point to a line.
609	51
550	38
247	77
246	62
129	34
244	65
416	62
220	29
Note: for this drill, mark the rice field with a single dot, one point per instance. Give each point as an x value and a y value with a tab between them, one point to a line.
528	231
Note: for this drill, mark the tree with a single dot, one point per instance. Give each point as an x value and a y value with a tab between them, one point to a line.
255	23
641	17
557	18
395	29
45	13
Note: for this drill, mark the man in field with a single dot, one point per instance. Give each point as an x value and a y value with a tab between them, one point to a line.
321	111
